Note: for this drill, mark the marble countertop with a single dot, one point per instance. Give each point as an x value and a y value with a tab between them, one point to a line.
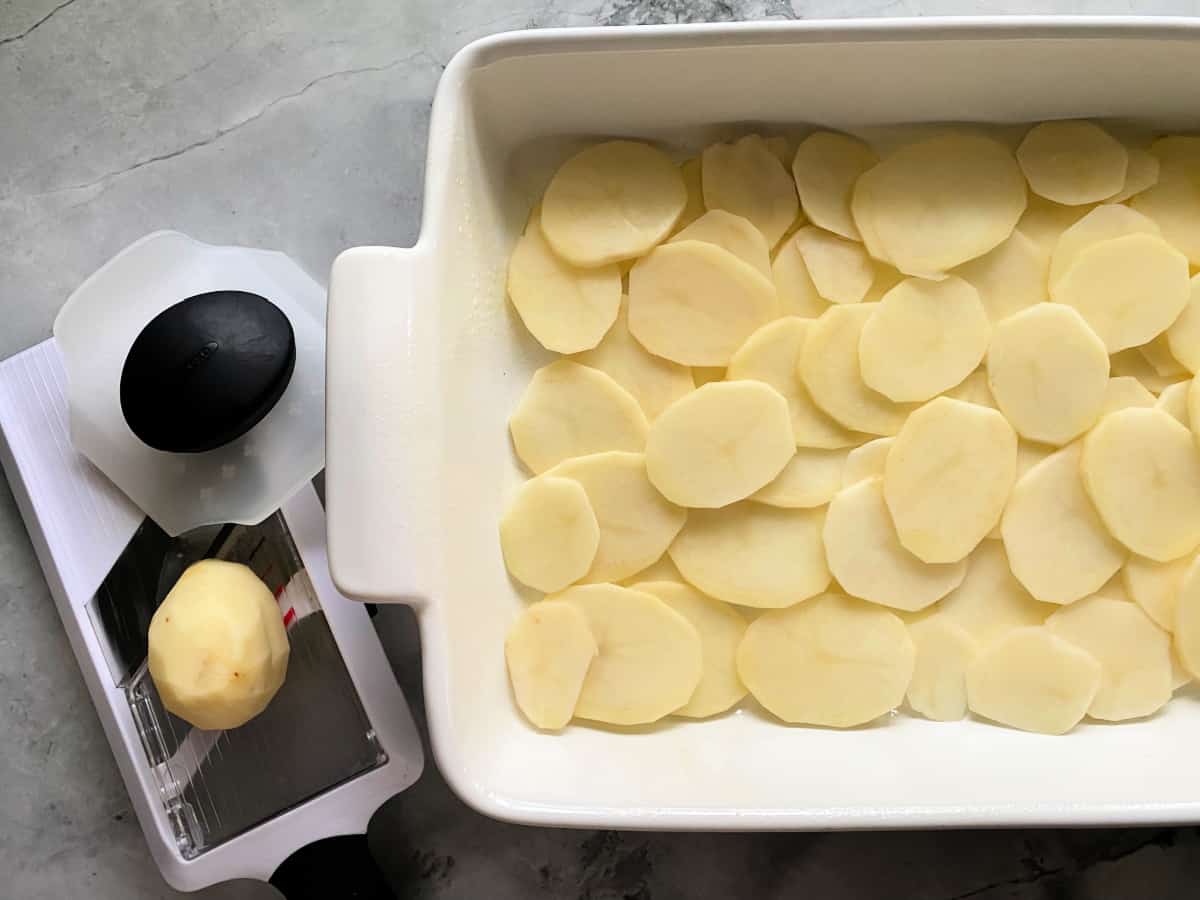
300	125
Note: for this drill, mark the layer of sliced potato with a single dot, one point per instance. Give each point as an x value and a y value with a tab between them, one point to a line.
1044	221
974	389
1174	402
793	285
1183	337
938	689
1141	174
1131	362
1186	627
748	180
1072	162
832	661
549	533
548	651
825	168
991	602
866	461
662	569
732	233
1010	277
694	208
1174	203
754	555
840	269
1124	391
1158	353
1103	223
810	479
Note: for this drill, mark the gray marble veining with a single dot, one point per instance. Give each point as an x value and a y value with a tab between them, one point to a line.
301	125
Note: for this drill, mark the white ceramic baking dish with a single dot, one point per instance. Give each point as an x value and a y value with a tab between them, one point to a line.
426	360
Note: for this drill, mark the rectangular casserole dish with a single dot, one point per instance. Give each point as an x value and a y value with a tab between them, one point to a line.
426	361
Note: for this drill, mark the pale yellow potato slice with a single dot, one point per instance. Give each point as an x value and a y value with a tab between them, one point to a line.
1124	391
1134	655
612	201
1186	626
782	148
1044	221
636	523
1129	289
549	533
732	233
829	368
833	661
1010	277
810	479
662	569
886	278
748	180
705	374
548	651
947	476
694	208
1132	363
974	389
655	383
754	555
1056	543
572	410
1174	402
720	443
1183	337
1158	353
693	303
991	602
1072	162
1179	673
1103	223
1048	372
840	269
1141	174
793	285
939	203
772	355
825	168
1154	586
1033	680
1142	471
1174	203
923	338
566	308
938	689
867	560
649	658
866	461
721	628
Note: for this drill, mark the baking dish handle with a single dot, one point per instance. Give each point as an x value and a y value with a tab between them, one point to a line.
372	424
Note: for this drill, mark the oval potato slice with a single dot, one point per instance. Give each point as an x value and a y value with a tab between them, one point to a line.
720	443
1072	162
947	476
793	285
1103	223
1187	620
1033	680
572	410
938	689
732	233
974	389
548	651
549	534
694	208
748	180
1045	221
661	569
754	555
693	303
833	661
721	628
1141	174
840	269
1123	392
1131	362
991	602
810	479
1174	203
923	338
866	558
1048	372
1010	277
866	461
1174	402
1158	353
1142	471
825	168
612	201
1183	337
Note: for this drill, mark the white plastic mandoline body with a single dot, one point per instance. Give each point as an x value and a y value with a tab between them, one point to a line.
426	361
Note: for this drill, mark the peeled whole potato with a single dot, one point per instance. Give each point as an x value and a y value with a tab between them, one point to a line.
548	651
218	651
825	168
1073	162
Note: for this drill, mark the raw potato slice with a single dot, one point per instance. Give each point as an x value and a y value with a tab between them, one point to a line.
1132	363
1072	162
1187	620
991	602
1129	289
1056	543
794	286
720	628
923	338
1123	392
1105	222
572	410
649	657
612	201
1179	673
772	355
825	168
732	233
1174	203
703	375
754	555
655	383
548	651
1142	471
567	309
1154	586
866	461
1010	277
636	525
832	661
549	534
660	570
947	477
867	560
1174	402
694	208
1141	174
781	147
720	443
939	203
1033	680
1183	337
1048	372
829	368
1158	354
810	479
1044	221
974	389
840	269
748	180
886	278
938	689
1134	655
694	303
